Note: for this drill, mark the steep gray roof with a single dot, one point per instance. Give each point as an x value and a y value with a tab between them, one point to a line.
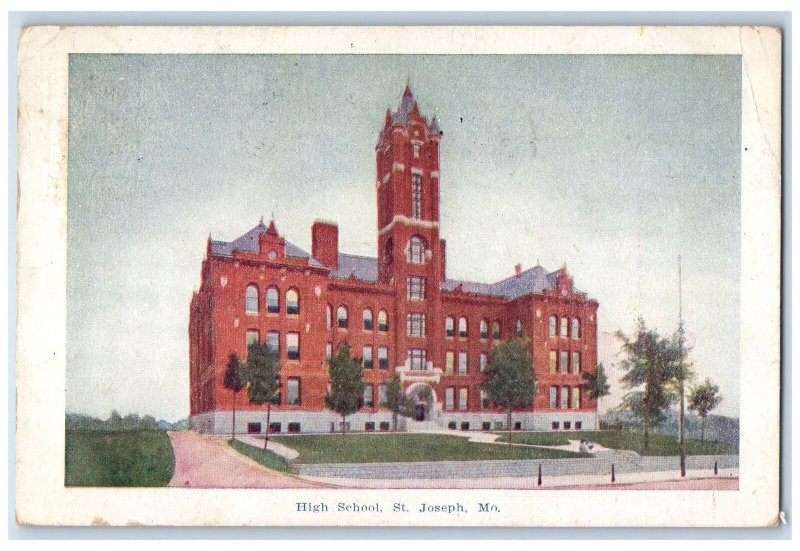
532	280
406	104
363	268
249	243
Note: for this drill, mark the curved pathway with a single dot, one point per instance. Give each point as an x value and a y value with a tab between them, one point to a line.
208	462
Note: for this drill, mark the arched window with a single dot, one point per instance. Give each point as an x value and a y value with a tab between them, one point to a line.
462	327
484	329
449	328
383	321
416	250
273	301
564	323
341	316
251	299
519	328
367	319
552	326
328	317
496	330
388	251
292	302
576	328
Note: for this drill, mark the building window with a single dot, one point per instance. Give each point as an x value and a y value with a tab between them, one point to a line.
576	328
253	428
367	319
274	428
463	394
294	428
451	425
293	346
576	362
416	288
496	330
564	327
251	299
449	327
564	399
273	341
273	301
383	321
576	398
449	398
341	317
416	196
417	357
293	391
251	337
553	397
484	401
462	327
415	324
369	426
484	360
367	355
518	328
484	329
553	359
292	302
384	426
367	398
383	357
567	425
578	425
448	362
554	425
382	396
416	251
552	326
328	350
328	317
415	150
564	363
462	362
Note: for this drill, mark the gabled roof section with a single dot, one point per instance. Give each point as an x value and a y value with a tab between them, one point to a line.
532	280
362	268
249	243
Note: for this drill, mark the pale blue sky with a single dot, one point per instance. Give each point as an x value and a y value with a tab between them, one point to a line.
612	164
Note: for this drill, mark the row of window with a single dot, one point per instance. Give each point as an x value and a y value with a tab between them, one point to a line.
565	397
369	426
574	326
449	360
366	318
559	362
272	302
366	356
415	251
273	342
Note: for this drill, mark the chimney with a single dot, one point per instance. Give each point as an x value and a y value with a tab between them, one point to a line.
518	269
325	243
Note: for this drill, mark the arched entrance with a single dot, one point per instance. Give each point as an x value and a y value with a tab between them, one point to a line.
422	397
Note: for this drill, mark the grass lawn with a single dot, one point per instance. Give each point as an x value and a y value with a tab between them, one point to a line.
130	458
267	458
659	444
385	448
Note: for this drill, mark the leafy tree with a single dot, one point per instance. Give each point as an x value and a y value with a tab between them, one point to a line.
683	373
510	383
703	399
595	384
396	399
233	382
347	384
262	378
651	366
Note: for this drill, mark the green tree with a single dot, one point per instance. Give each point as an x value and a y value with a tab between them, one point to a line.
595	384
261	375
510	381
651	367
683	373
703	399
233	382
346	384
396	400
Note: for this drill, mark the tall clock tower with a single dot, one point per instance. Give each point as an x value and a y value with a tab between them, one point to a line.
410	252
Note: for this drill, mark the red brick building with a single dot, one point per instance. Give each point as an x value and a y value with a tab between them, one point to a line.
399	312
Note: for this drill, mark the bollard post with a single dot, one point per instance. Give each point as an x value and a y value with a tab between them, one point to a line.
716	471
613	475
539	481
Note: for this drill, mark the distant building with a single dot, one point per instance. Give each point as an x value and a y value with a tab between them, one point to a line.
398	311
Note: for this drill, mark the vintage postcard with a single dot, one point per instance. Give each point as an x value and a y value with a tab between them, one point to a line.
399	276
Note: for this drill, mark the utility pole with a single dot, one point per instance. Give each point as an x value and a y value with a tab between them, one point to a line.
681	375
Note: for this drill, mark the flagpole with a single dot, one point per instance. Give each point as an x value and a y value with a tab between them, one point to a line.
681	440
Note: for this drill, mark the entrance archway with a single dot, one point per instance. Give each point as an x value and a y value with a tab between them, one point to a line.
422	397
